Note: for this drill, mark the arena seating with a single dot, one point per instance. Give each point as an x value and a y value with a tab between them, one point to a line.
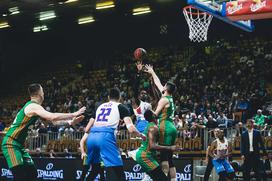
211	79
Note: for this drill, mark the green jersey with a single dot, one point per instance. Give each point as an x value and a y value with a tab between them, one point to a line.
145	144
167	129
167	113
146	157
19	128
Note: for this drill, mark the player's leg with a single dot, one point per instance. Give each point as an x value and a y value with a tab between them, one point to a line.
94	171
19	173
111	157
31	171
219	169
84	172
163	154
150	166
172	168
229	169
102	172
222	176
248	164
158	175
93	157
86	168
170	138
14	158
208	169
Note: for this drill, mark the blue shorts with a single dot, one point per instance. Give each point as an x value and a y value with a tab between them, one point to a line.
141	125
101	146
222	165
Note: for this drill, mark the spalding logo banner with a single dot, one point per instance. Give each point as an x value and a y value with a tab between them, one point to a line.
71	169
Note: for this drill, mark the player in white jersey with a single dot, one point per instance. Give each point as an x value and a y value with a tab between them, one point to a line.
101	142
140	106
220	151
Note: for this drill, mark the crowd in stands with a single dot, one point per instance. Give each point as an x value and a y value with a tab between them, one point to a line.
213	83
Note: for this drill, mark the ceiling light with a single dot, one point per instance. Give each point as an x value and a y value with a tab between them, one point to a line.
47	15
141	10
14	10
4	25
40	28
105	5
84	20
70	1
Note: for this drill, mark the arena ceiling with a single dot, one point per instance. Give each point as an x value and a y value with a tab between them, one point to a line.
28	11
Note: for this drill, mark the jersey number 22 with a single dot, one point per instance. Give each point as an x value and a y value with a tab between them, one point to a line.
103	116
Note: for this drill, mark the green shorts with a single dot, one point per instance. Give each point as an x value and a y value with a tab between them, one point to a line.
146	160
14	153
167	133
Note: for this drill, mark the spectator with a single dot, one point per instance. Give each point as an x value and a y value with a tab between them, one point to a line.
38	153
52	154
67	154
269	118
2	126
222	120
259	118
42	129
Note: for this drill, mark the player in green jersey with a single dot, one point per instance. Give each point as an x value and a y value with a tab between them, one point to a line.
146	155
167	130
18	159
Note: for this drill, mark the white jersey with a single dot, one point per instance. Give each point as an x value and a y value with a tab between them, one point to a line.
107	115
139	112
222	148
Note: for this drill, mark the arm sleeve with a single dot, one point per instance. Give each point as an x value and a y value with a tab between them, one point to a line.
123	111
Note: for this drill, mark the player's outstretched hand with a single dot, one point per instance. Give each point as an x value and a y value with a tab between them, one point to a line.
80	111
148	69
176	148
77	120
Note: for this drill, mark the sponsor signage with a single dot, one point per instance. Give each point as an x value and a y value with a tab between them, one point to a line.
71	169
234	8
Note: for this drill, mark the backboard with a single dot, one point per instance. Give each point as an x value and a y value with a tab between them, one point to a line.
217	8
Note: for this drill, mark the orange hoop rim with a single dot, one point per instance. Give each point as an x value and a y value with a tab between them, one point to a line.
192	7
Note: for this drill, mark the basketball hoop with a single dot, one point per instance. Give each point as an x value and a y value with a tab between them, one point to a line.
198	23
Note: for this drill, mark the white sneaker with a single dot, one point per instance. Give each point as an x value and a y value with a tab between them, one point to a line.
146	178
132	154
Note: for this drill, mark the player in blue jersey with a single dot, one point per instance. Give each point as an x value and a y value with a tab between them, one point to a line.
101	142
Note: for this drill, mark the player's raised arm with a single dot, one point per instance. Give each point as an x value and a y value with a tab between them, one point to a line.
84	138
212	148
131	128
149	69
37	110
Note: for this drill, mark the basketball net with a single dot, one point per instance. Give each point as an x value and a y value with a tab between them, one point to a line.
198	23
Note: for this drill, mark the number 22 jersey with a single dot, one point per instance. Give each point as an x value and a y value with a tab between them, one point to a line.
109	114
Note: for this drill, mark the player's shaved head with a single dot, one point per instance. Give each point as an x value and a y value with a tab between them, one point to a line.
171	87
33	89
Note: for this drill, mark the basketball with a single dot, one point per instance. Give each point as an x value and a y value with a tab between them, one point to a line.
139	53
